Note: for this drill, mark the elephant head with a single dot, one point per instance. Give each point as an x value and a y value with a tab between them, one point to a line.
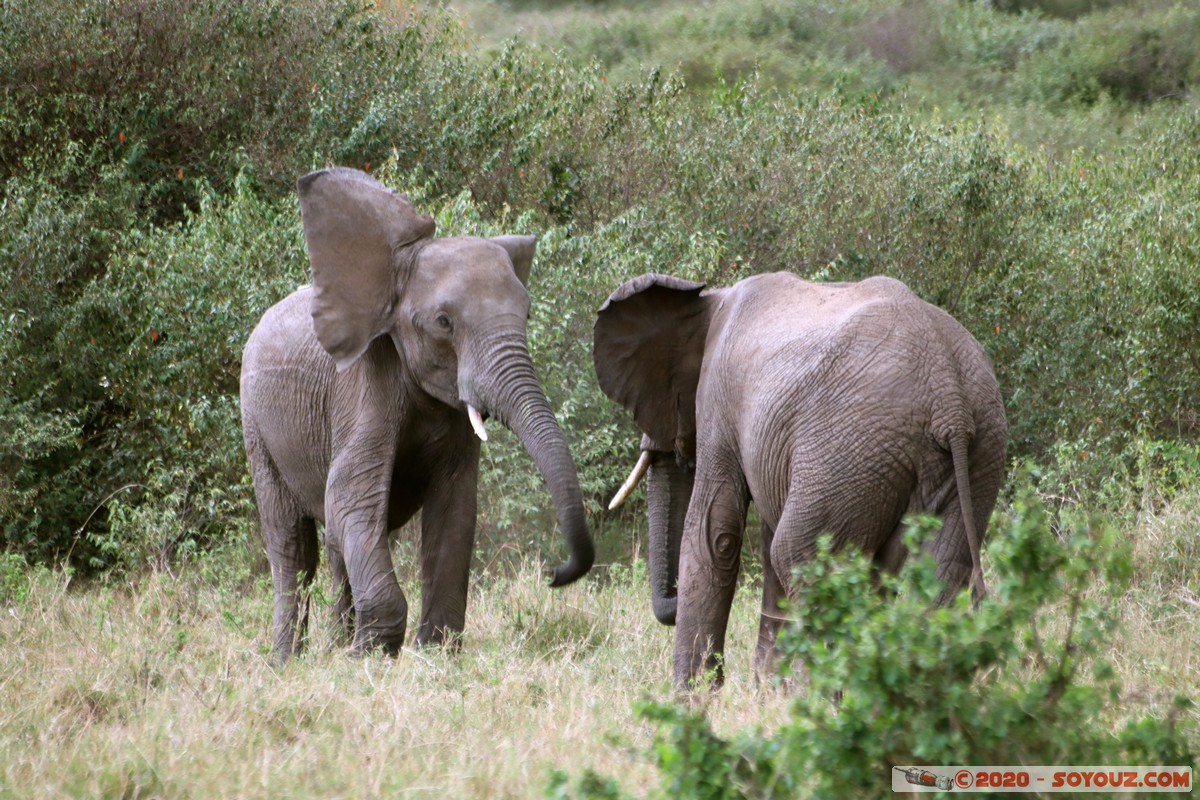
456	310
648	349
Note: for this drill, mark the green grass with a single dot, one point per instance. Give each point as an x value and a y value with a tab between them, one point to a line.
161	687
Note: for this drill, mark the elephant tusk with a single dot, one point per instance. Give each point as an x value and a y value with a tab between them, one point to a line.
476	422
639	469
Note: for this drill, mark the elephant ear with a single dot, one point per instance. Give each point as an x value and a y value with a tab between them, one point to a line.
356	229
520	252
648	349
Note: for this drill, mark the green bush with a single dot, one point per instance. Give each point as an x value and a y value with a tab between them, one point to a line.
18	579
1136	54
1078	275
180	303
955	60
128	394
888	681
1058	8
52	244
170	91
130	131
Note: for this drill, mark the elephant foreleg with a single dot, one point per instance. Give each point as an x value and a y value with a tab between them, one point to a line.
357	515
447	544
380	610
709	563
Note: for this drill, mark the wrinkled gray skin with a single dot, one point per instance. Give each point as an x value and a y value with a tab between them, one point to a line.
354	409
836	408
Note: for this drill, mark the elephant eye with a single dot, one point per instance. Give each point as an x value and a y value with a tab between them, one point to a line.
443	321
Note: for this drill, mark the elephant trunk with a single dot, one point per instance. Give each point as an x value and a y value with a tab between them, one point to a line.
669	491
513	395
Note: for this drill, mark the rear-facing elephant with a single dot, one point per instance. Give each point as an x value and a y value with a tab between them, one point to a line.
359	397
837	408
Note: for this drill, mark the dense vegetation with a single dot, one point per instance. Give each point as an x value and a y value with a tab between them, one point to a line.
148	151
1051	73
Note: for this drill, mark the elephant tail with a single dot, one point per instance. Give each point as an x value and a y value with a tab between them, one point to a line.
959	445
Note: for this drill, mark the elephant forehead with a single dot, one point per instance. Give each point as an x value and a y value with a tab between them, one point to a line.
463	250
469	273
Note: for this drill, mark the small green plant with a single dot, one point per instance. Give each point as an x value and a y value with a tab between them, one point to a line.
884	679
18	579
13	583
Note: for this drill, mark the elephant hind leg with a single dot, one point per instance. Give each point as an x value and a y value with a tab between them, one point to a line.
948	547
292	552
952	548
766	655
892	554
952	552
290	537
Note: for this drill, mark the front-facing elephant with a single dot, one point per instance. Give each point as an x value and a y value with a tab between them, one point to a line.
362	396
836	408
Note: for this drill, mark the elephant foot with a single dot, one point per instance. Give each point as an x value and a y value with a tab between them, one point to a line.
388	638
439	636
705	669
288	644
389	642
381	626
280	658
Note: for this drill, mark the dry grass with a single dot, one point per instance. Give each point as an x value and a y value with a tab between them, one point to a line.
163	690
1158	654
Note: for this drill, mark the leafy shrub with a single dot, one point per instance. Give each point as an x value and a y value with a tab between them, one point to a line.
17	578
1023	679
170	91
52	243
959	60
1132	54
148	358
1058	8
1077	275
185	300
